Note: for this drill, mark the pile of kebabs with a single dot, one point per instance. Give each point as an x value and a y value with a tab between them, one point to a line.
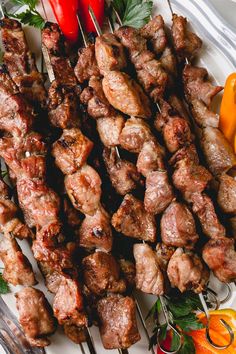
162	193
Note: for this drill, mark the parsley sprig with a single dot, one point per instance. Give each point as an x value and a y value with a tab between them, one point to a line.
30	16
4	288
133	13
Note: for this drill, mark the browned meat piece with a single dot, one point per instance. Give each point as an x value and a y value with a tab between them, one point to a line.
68	304
169	62
109	129
189	178
150	72
132	220
72	216
95	231
126	95
128	271
154	31
101	274
109	53
71	150
16	228
74	333
134	134
52	278
52	39
203	116
186	43
186	271
217	150
197	85
150	158
204	209
63	105
35	316
149	277
97	103
178	226
187	153
84	189
17	268
159	192
232	224
118	326
123	174
179	106
164	253
86	66
226	197
220	256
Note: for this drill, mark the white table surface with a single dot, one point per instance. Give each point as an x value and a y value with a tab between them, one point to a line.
227	9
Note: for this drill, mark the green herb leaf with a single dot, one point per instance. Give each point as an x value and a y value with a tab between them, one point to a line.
30	3
30	16
188	346
134	13
188	323
4	288
183	305
175	341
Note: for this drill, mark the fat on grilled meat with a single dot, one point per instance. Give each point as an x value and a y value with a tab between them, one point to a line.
149	277
220	256
117	322
110	128
150	158
20	62
96	232
203	116
178	227
84	189
159	192
123	174
203	207
226	196
86	66
186	43
101	274
125	95
110	54
132	220
186	271
17	268
35	316
71	150
134	134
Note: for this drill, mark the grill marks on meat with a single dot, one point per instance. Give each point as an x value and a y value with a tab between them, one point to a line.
219	254
186	43
35	316
117	322
186	272
132	220
101	274
86	66
149	277
123	174
71	150
20	62
178	226
226	197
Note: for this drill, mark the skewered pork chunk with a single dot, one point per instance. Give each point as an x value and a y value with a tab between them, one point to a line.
73	216
149	277
219	254
86	66
118	326
74	333
203	116
123	174
186	43
109	53
128	271
187	153
154	31
35	316
17	268
164	253
134	134
95	231
126	95
186	271
101	274
178	226
84	189
179	106
150	158
132	220
71	150
203	207
159	192
53	39
52	278
226	197
109	129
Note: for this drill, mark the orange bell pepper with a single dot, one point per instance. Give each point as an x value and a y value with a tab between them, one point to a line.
228	109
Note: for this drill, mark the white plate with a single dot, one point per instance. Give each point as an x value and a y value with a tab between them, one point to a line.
219	57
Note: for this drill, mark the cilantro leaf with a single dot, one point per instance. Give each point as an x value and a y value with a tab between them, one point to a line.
30	16
134	13
4	288
188	346
188	323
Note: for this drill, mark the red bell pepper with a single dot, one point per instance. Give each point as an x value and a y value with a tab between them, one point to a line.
98	9
166	343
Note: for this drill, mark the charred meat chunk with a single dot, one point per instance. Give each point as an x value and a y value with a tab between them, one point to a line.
178	226
109	129
150	158
128	271
74	333
164	254
154	31
86	66
117	322
132	220
226	197
35	316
